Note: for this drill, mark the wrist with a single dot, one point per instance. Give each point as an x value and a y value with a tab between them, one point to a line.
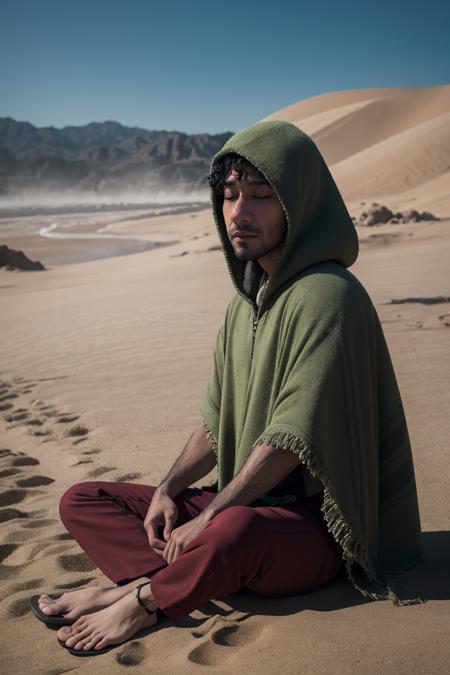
166	489
208	513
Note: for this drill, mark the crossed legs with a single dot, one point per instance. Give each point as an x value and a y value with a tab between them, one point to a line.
270	550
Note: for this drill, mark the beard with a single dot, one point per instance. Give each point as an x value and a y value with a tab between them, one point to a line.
251	251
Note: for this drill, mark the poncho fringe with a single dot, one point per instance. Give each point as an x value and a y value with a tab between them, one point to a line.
353	550
210	438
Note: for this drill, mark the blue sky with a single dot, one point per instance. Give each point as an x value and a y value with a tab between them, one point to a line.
205	66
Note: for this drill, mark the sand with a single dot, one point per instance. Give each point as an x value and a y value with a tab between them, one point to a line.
102	365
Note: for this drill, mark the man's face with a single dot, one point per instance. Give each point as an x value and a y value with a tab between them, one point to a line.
254	218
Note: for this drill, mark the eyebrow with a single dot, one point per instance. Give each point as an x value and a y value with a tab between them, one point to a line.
251	181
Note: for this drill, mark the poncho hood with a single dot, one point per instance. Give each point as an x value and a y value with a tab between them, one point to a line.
319	227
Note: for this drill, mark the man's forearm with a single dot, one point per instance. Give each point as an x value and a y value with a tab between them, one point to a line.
265	468
196	460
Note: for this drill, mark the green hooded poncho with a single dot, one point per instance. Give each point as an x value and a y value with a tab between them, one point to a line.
309	369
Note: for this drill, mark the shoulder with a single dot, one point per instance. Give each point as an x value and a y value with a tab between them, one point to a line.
326	292
328	282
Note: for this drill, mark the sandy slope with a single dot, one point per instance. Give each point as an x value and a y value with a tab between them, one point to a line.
379	142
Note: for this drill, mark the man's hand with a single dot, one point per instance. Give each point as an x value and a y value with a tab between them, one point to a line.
162	512
182	536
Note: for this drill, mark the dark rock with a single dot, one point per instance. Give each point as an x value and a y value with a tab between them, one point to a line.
379	214
376	215
12	259
412	214
426	215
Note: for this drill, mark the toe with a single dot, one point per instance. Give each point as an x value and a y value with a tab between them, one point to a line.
89	642
64	633
48	605
44	600
95	641
77	638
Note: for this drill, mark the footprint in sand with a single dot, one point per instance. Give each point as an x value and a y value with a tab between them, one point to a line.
23	536
42	522
40	432
10	514
35	422
77	430
28	585
34	481
6	550
213	650
78	562
19	608
9	472
17	416
127	477
24	460
63	536
5	452
8	396
42	549
9	497
37	403
80	440
132	654
66	419
100	470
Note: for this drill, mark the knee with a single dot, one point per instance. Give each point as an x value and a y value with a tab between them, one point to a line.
235	525
73	497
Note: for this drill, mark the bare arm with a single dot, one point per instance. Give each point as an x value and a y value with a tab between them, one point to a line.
265	468
196	460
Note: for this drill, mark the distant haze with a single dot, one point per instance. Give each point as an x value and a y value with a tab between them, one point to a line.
41	199
102	163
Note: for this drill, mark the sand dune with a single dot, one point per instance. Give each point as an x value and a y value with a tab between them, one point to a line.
381	142
403	161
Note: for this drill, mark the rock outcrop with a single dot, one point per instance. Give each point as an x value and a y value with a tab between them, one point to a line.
12	259
378	214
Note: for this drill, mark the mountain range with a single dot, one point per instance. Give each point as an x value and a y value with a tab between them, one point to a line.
103	157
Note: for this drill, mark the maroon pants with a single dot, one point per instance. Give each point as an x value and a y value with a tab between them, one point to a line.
272	550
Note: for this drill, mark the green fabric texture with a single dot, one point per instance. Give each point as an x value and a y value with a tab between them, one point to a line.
309	369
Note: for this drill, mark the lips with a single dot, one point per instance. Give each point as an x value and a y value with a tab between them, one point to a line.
243	235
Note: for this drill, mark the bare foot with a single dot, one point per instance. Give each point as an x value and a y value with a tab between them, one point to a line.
85	600
112	625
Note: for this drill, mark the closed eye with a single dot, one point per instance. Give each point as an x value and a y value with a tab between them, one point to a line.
253	197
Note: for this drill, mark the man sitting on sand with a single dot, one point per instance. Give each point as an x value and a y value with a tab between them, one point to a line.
302	416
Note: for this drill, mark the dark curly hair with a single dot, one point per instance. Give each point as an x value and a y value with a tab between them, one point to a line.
222	168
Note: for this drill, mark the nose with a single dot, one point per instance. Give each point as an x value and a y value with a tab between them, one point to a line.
240	213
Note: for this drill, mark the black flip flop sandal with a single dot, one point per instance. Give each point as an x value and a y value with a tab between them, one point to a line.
52	620
89	652
97	652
